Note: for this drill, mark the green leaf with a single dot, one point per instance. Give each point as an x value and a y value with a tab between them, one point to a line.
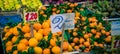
30	50
24	52
49	36
65	36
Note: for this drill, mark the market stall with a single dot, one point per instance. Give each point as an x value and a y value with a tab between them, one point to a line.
64	28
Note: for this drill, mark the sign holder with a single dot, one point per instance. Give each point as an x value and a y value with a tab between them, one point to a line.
62	38
30	15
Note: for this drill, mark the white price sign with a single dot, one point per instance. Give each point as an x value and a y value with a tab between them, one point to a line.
115	27
69	21
58	20
31	16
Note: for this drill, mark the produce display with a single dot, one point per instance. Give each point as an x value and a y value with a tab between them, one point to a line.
90	34
106	8
10	5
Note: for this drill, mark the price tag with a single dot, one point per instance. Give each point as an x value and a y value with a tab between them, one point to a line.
69	21
30	16
115	27
57	22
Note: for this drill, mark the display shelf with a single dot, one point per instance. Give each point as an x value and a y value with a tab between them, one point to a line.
110	19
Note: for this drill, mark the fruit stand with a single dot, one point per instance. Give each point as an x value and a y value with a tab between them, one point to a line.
91	33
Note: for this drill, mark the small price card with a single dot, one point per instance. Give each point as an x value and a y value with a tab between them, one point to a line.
30	16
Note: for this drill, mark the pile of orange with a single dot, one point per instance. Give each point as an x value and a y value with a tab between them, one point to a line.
85	35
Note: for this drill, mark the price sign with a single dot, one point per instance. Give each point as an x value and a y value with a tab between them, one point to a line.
115	27
69	21
31	16
57	22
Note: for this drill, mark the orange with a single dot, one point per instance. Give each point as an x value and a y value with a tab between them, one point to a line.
8	48
53	42
14	39
97	36
80	45
26	29
21	47
75	29
41	12
7	34
75	34
54	34
83	18
87	44
103	31
108	39
54	9
86	36
90	34
46	51
24	41
53	13
15	31
77	18
37	26
72	44
65	45
11	30
4	38
9	43
70	48
38	36
95	23
76	47
43	8
90	19
93	31
101	45
88	39
45	25
96	44
94	19
56	50
75	40
27	35
15	52
81	9
69	11
46	31
72	5
81	40
44	15
91	24
75	4
33	42
46	38
59	33
38	50
98	33
58	11
86	50
75	21
107	33
6	28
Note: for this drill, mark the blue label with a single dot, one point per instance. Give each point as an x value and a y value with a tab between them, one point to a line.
58	20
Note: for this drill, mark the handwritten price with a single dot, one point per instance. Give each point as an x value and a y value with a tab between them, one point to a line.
31	16
58	20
